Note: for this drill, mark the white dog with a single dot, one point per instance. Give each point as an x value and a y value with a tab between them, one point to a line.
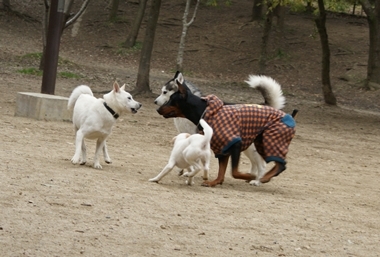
93	118
190	152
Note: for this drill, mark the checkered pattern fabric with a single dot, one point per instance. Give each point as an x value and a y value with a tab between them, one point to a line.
249	123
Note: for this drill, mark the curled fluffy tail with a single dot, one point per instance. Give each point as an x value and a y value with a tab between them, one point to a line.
207	130
270	90
79	90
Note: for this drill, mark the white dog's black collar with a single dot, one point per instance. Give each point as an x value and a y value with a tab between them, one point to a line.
114	114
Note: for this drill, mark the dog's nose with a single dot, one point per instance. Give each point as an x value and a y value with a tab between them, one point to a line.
155	101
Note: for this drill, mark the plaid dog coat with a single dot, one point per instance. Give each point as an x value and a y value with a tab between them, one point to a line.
271	130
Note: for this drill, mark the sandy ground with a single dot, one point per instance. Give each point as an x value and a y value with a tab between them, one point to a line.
324	204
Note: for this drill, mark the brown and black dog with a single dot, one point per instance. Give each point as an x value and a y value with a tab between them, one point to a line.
236	127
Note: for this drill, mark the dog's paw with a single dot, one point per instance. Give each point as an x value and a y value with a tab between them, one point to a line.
255	183
98	166
75	160
186	174
153	180
189	181
108	161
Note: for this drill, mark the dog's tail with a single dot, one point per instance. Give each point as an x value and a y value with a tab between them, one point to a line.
269	88
79	90
207	131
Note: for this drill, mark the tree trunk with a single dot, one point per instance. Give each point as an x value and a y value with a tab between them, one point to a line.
6	5
265	40
132	36
114	9
142	84
67	22
373	17
44	33
257	10
56	19
185	27
320	22
279	11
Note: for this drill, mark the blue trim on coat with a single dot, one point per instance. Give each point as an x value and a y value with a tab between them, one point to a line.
275	159
231	143
288	121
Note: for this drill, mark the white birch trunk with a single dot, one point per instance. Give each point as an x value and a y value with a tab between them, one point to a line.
185	26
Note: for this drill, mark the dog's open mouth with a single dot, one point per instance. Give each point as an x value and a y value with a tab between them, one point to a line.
133	110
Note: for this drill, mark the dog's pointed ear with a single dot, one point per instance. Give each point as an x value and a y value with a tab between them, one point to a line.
180	77
181	88
123	87
116	87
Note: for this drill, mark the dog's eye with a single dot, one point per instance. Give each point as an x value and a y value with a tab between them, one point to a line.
165	92
129	98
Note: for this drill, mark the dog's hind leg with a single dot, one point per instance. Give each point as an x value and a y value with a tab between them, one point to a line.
79	141
194	169
84	153
107	158
99	147
258	165
164	172
275	171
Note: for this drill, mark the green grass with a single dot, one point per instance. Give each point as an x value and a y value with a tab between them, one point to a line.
33	59
69	75
31	71
126	51
37	72
35	56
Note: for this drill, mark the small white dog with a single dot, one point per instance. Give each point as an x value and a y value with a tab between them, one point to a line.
190	152
93	118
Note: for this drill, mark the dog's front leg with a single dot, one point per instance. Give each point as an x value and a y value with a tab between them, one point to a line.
223	162
235	157
107	158
99	147
79	146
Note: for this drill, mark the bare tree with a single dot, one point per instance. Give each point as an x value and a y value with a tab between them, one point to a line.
114	9
142	84
320	22
373	18
59	15
133	33
185	25
257	10
265	39
68	20
6	5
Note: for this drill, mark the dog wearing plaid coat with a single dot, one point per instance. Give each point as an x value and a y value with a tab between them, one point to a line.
236	127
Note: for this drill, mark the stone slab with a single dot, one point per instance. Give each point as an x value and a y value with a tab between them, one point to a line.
42	107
